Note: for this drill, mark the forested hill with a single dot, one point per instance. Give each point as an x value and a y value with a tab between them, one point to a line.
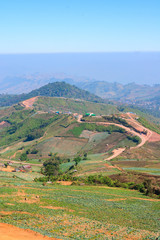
62	89
56	89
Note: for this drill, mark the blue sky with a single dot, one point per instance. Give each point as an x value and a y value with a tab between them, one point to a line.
48	26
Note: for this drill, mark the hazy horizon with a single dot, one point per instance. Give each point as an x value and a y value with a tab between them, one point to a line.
113	41
121	67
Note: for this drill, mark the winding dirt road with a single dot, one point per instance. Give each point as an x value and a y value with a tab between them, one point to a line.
144	137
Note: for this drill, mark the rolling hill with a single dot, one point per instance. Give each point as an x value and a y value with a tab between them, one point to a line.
42	128
56	89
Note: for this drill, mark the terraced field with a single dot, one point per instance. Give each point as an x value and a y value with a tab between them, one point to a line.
78	212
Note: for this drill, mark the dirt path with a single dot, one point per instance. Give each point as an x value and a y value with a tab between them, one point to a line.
5	150
14	155
138	126
9	232
116	152
79	118
144	137
23	163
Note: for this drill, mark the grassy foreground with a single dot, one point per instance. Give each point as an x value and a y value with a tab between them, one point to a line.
78	212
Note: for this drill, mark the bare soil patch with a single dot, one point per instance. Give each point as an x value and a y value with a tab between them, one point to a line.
4	124
155	137
8	169
51	207
10	204
146	199
116	152
57	208
116	199
9	232
115	166
65	183
12	212
29	102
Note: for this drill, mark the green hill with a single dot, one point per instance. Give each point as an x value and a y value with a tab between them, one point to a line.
57	89
62	89
39	132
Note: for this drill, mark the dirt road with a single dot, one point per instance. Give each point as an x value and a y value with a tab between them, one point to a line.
144	137
20	162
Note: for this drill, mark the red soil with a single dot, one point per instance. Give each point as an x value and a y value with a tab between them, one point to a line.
29	102
9	232
155	137
4	124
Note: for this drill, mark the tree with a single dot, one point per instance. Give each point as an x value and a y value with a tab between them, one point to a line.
77	160
51	167
148	185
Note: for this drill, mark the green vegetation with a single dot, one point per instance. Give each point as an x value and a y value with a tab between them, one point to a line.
149	125
71	105
76	131
23	157
18	116
77	160
78	212
33	151
56	89
25	126
118	120
62	89
135	139
51	166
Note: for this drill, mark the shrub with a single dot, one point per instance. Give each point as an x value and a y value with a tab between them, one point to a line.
23	157
28	151
77	160
34	151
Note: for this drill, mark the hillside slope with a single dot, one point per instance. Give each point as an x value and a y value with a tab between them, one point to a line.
48	104
37	132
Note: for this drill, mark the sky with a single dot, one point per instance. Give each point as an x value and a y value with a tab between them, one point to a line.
56	26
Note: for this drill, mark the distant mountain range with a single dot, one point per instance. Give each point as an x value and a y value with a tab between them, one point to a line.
127	93
130	92
145	97
142	96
